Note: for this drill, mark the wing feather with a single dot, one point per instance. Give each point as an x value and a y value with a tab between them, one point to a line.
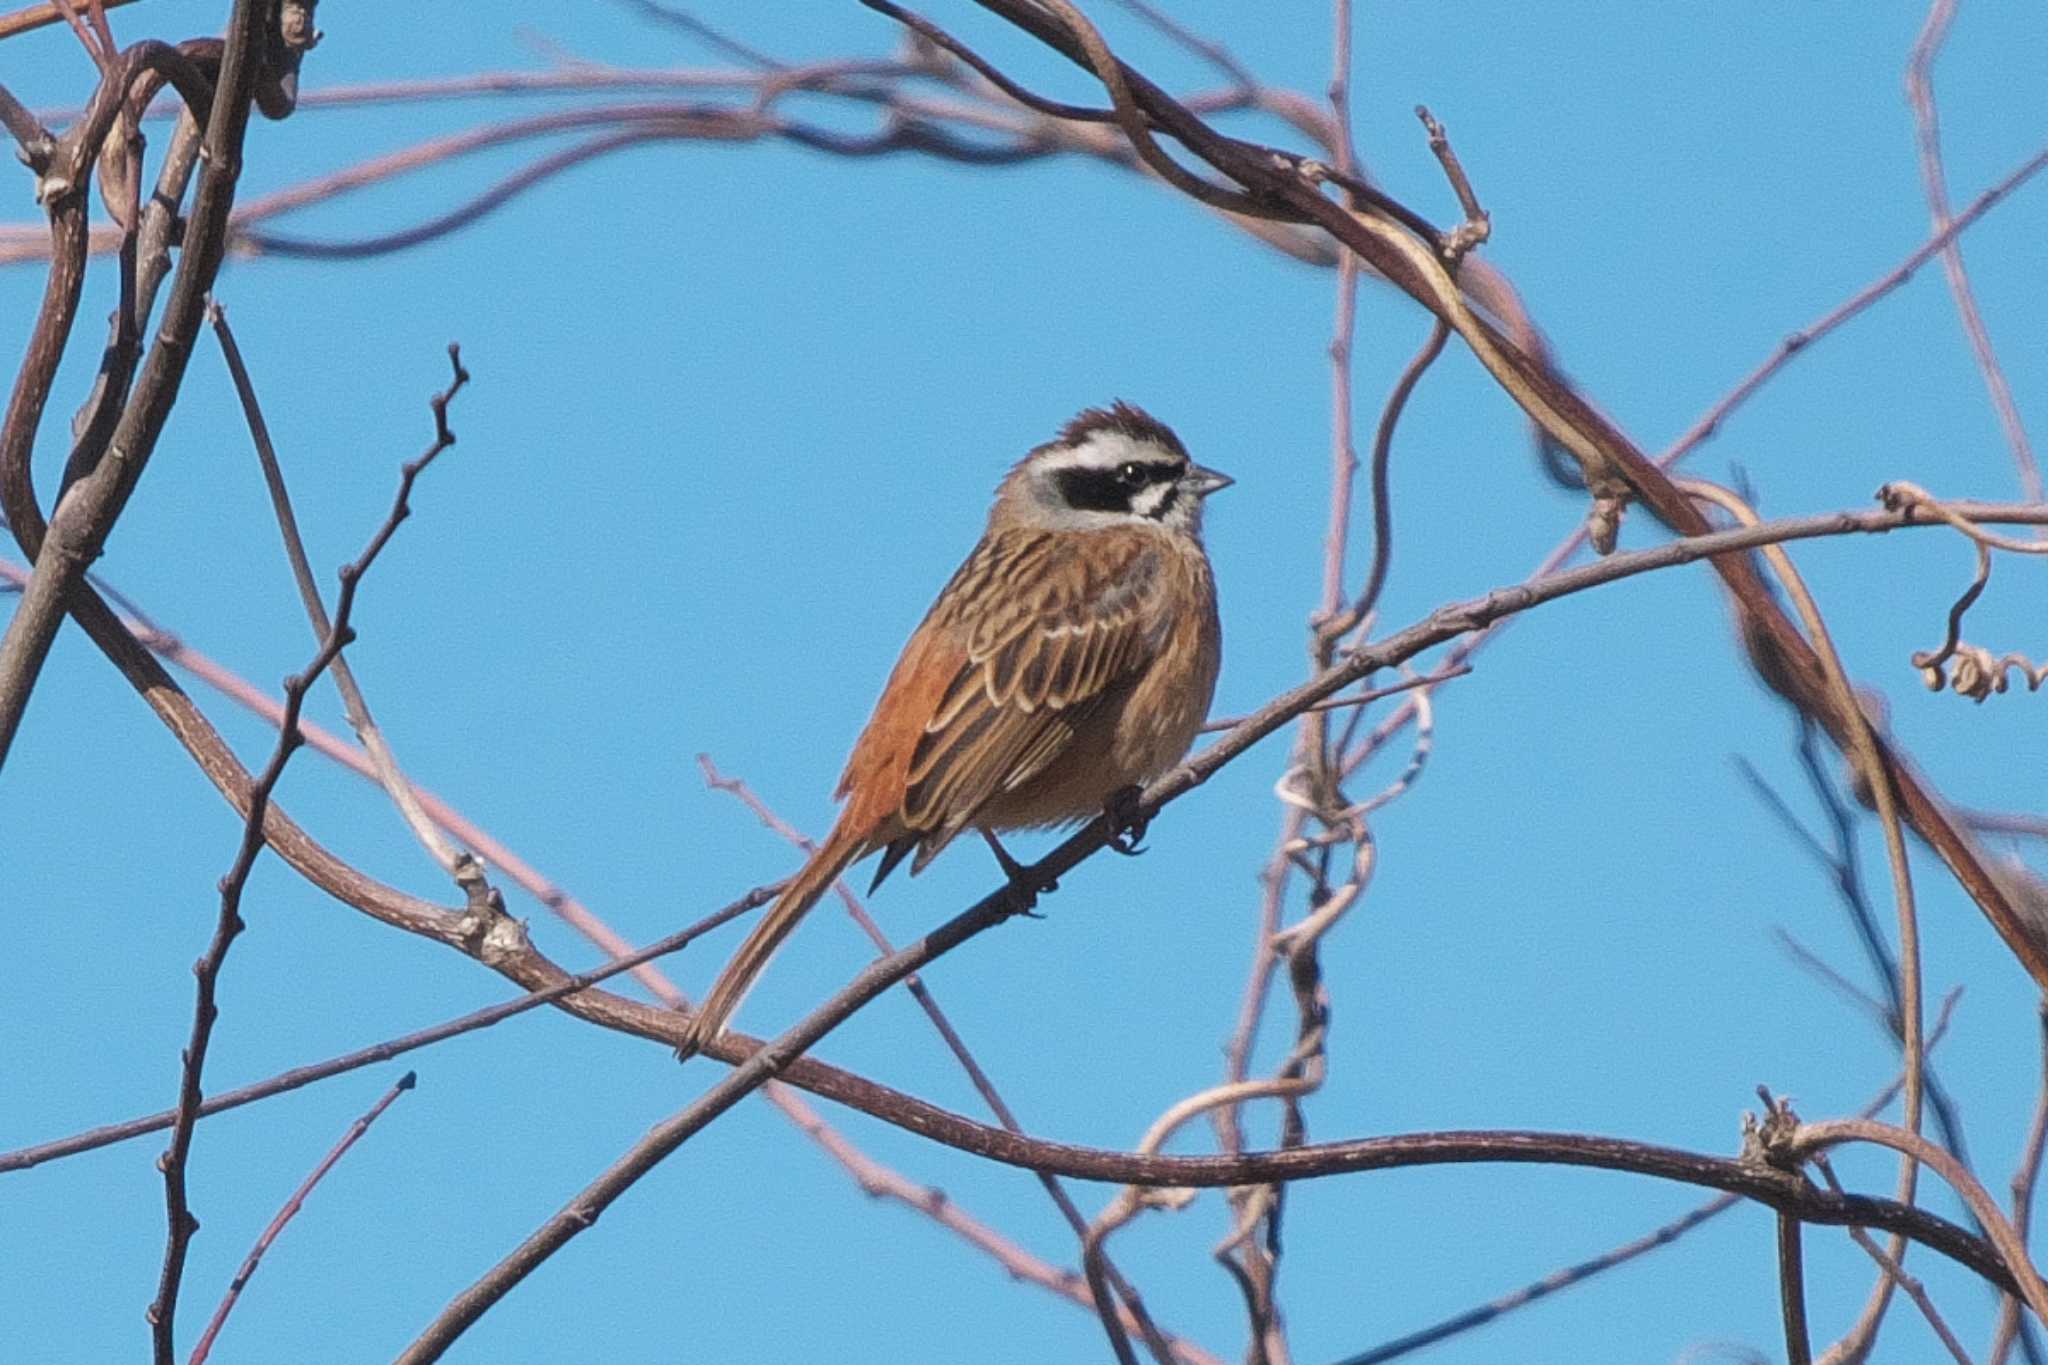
1052	628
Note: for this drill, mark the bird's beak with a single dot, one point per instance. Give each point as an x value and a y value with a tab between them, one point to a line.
1203	482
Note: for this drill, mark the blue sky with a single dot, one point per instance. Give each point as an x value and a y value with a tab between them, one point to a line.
736	414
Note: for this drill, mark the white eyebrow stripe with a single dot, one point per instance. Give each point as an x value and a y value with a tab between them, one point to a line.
1106	450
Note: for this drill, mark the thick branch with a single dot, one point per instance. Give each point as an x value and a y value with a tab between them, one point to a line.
1612	463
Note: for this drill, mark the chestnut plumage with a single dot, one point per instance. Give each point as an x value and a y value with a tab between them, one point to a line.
1071	656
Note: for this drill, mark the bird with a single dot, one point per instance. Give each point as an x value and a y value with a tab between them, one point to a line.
1069	660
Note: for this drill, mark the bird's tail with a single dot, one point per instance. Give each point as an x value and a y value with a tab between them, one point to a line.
833	857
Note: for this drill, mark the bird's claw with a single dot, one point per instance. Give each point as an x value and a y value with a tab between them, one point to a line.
1127	822
1023	896
1024	888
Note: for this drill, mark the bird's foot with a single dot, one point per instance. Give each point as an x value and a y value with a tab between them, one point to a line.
1025	888
1127	822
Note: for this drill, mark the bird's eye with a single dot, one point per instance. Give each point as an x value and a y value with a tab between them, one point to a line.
1130	474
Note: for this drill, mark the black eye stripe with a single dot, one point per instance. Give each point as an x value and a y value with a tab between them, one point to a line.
1093	490
1089	489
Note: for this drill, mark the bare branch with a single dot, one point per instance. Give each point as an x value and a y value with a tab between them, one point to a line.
718	41
1799	340
39	16
1612	465
873	1177
1862	746
2028	1170
484	1018
290	1209
1886	1263
1809	1139
1161	1346
163	1311
1570	1275
461	865
1927	120
1792	1292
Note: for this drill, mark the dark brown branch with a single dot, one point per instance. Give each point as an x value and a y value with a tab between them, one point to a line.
1136	122
663	125
1754	1179
1442	675
1792	1292
757	1064
289	1211
666	1026
1612	463
1657	1237
163	1311
490	1015
91	504
37	142
987	70
979	1078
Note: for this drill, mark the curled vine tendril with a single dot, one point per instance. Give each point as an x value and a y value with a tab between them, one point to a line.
1968	670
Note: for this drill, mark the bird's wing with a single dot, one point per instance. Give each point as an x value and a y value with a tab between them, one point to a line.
1047	627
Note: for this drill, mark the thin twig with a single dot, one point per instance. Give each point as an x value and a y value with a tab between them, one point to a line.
715	39
1886	1264
2007	822
1862	747
36	141
1161	1347
163	1310
290	1209
1382	509
460	864
2024	1175
1797	341
1209	50
1934	180
490	1015
872	1177
1568	1276
1815	966
1426	680
1810	1139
